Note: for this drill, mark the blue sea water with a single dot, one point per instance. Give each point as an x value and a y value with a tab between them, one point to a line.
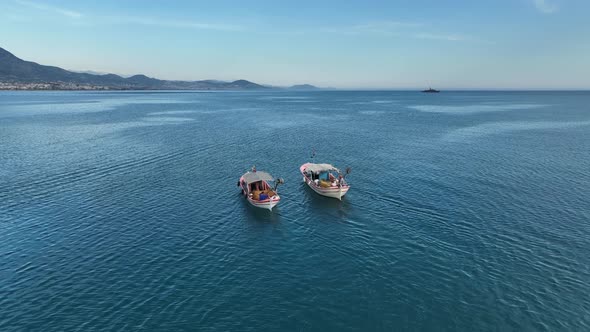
469	211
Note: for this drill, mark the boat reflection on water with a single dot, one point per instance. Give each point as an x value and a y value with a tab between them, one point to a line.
322	206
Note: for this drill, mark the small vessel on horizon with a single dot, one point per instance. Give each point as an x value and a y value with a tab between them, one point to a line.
325	179
257	190
430	90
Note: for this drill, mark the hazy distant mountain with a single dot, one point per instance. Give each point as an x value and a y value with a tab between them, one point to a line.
17	71
303	87
92	72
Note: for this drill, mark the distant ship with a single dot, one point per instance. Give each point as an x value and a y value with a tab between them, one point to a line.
430	90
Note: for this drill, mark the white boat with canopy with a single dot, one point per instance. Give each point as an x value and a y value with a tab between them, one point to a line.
325	179
258	190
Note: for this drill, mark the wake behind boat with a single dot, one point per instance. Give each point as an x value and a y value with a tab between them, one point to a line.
255	186
325	179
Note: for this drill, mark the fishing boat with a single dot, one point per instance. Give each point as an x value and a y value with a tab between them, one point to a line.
325	179
257	189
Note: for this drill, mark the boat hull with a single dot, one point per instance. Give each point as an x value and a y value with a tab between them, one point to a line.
268	204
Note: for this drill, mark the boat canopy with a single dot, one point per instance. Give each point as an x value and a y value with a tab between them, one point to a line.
316	168
252	177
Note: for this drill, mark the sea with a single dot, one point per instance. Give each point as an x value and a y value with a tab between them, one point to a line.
468	211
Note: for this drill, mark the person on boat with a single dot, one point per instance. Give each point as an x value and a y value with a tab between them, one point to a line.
315	177
333	180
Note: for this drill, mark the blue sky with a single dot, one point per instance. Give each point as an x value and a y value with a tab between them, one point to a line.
519	44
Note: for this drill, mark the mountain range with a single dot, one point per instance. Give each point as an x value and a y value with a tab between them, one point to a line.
16	73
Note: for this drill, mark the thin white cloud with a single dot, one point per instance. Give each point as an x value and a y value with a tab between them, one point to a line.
441	37
545	6
43	7
384	26
379	27
138	20
453	38
395	28
172	23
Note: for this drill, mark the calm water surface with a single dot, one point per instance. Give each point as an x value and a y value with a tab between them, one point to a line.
469	211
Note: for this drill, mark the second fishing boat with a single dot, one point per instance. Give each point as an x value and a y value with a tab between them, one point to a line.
325	179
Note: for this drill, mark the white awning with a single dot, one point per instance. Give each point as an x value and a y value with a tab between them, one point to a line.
316	168
251	177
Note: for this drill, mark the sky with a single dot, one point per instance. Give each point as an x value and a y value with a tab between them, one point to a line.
394	44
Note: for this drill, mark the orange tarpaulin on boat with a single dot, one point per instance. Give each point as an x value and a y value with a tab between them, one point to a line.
256	194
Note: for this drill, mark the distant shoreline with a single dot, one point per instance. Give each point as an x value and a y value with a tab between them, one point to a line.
66	86
18	74
55	87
